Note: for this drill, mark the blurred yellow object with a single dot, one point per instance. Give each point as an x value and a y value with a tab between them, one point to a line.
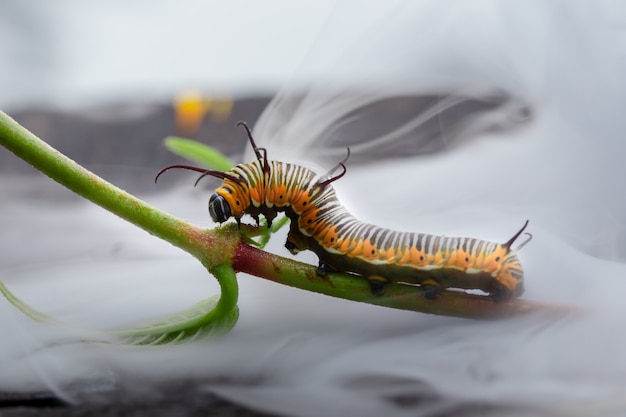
190	108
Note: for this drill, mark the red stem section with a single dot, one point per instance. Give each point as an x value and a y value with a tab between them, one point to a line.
448	303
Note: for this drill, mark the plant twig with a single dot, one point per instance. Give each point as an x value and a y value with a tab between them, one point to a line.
213	248
351	287
224	246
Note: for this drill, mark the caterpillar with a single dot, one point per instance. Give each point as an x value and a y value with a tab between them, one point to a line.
318	222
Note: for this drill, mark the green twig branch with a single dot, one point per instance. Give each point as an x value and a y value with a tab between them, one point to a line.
214	249
350	287
223	251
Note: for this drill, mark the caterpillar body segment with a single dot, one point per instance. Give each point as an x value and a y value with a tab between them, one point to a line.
465	264
344	244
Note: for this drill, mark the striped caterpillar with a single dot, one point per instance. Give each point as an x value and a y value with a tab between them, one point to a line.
344	244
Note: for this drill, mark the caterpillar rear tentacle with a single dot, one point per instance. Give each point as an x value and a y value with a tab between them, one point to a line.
344	244
336	177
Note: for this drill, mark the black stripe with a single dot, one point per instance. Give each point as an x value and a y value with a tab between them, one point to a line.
479	247
427	240
437	244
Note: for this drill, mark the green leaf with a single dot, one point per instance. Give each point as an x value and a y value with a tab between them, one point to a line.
198	152
212	316
188	325
277	225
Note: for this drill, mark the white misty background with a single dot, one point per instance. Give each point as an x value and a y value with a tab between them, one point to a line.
557	162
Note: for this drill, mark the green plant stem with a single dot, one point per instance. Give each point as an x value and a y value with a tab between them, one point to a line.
224	246
83	182
351	287
200	243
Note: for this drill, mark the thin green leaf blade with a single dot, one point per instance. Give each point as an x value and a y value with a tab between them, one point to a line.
213	316
277	225
25	308
191	324
198	152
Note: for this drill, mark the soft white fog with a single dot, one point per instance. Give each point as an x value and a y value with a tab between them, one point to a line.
303	354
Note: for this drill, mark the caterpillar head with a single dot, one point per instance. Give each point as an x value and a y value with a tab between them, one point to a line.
219	208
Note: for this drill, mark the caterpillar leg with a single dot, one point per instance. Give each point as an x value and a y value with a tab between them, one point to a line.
323	269
505	291
377	284
269	219
269	215
431	288
291	247
501	294
296	243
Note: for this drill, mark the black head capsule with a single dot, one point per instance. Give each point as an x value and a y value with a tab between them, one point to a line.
219	208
